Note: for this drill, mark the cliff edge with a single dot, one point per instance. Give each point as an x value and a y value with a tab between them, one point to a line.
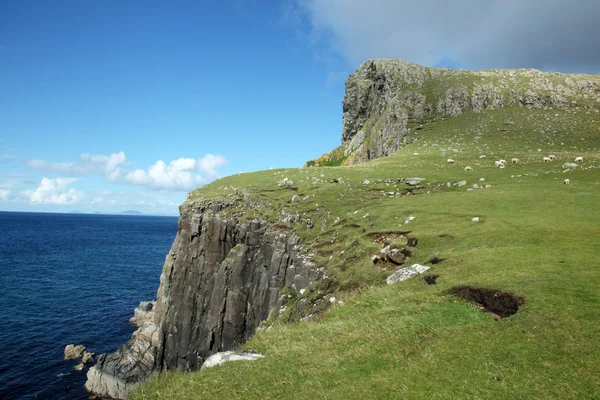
221	278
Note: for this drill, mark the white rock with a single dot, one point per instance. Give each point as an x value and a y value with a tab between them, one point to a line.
460	183
406	273
366	182
332	299
475	219
481	179
225	356
409	220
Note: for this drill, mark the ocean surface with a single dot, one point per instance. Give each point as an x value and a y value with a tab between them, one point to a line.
71	278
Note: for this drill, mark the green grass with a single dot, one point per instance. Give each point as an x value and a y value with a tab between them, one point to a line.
536	237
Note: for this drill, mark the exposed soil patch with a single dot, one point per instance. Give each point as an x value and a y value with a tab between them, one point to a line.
431	279
501	304
385	237
330	243
436	260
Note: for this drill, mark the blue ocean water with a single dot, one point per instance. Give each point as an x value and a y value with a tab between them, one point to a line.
71	278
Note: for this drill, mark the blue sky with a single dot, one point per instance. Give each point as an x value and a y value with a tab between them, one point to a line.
115	105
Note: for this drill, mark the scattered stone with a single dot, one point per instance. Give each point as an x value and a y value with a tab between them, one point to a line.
406	273
396	256
366	182
481	179
332	300
305	198
570	165
475	219
409	220
460	183
72	351
295	197
413	181
225	356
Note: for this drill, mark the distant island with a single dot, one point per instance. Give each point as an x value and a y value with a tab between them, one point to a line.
132	212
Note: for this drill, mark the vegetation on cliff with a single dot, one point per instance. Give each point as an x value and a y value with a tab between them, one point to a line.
535	236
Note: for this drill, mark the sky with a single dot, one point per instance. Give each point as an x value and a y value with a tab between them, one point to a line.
129	105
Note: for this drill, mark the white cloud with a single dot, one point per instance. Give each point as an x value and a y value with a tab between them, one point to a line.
545	34
182	174
89	164
4	194
54	191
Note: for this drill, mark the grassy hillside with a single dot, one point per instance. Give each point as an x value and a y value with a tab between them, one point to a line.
536	237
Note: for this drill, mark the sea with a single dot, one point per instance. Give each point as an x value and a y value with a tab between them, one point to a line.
71	278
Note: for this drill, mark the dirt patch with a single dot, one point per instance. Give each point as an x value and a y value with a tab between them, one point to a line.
331	243
496	302
431	279
436	260
385	237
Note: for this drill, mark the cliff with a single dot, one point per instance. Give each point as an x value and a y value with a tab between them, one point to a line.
387	102
221	278
287	244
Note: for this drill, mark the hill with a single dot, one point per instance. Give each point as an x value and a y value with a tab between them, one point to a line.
298	245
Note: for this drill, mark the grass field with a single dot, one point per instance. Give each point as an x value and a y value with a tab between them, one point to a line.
536	237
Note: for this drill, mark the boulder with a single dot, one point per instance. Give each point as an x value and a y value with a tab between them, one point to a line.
72	351
78	367
413	181
225	356
406	273
570	165
460	183
396	256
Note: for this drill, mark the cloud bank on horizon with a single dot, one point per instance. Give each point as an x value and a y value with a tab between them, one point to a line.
176	176
545	34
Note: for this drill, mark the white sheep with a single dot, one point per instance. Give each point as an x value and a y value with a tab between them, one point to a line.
450	161
502	161
468	169
579	159
547	159
552	157
515	161
567	181
499	164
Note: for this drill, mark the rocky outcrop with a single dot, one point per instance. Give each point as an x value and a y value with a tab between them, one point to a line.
221	278
73	351
388	101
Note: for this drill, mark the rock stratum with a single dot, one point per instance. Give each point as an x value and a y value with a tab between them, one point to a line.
221	278
388	101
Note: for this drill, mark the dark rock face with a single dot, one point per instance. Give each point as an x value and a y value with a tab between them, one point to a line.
387	101
221	278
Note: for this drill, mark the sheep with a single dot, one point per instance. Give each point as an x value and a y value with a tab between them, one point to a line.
552	157
567	182
499	164
515	161
450	161
547	159
468	169
579	159
502	161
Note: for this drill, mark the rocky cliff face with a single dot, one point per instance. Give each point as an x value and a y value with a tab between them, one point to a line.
221	278
388	101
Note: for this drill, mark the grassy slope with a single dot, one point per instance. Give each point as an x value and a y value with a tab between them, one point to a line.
537	237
